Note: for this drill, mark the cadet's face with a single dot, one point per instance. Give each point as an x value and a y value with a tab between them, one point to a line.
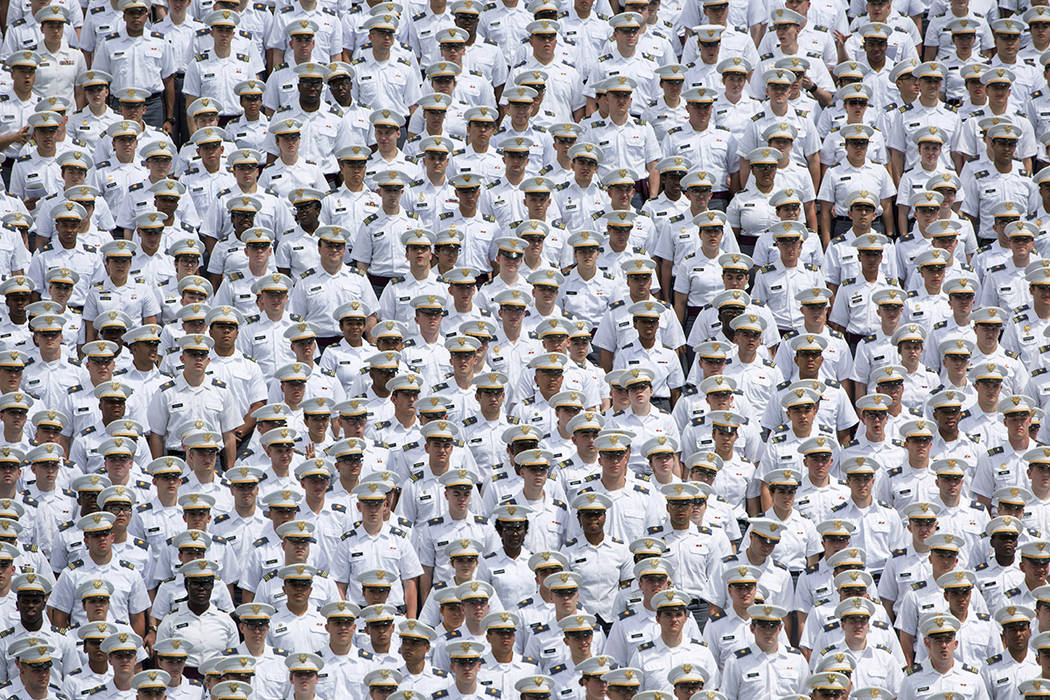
1021	245
200	459
35	677
96	608
380	632
30	605
947	417
280	455
99	543
464	567
121	510
197	519
1003	149
199	588
783	496
273	301
480	132
382	38
254	630
763	546
1017	424
135	19
310	88
95	94
414	650
23	77
910	350
512	534
302	44
93	649
304	681
447	255
466	669
765	631
809	361
802	416
672	619
298	590
918	447
941	647
440	450
579	640
743	593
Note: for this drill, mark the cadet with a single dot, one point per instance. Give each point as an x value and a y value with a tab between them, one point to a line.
1004	671
129	601
658	657
841	183
319	291
377	248
90	123
207	629
291	169
766	667
218	71
66	251
320	121
626	141
477	159
385	80
1003	180
263	336
941	671
297	623
32	591
249	128
926	110
479	230
192	395
383	540
708	147
661	361
420	280
777	284
587	291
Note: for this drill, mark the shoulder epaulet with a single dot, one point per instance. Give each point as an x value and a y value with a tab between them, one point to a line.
741	653
918	585
913	669
648	645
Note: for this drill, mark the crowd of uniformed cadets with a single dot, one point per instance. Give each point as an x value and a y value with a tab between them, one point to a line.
463	349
